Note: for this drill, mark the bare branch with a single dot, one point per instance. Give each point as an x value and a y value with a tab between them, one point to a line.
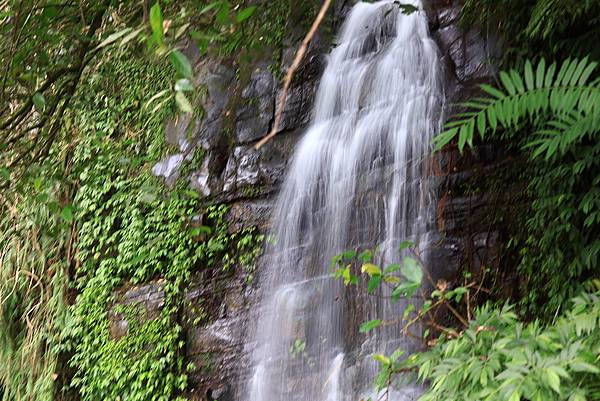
291	71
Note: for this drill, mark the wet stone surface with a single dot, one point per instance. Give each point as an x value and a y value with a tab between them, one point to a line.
232	171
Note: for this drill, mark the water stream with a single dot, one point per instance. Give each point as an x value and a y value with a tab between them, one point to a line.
355	180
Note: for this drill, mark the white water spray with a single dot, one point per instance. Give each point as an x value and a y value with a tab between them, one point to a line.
356	179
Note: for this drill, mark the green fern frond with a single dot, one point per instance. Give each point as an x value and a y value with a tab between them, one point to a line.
564	96
549	16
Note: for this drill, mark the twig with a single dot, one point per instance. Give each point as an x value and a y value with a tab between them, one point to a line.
291	71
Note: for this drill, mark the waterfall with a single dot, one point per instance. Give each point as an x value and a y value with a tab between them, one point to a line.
355	180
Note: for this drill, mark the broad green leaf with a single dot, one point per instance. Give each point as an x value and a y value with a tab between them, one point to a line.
5	173
404	290
370	325
553	379
222	17
245	13
373	283
370	269
67	214
181	63
156	23
411	270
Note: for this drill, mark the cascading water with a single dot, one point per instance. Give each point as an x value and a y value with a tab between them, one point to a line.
355	180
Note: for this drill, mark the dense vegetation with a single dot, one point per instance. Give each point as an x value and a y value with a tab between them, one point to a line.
546	108
85	94
85	91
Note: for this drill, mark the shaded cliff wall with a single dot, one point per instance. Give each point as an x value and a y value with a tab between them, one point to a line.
239	110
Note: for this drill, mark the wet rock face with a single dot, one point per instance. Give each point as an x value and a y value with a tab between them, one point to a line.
466	238
236	115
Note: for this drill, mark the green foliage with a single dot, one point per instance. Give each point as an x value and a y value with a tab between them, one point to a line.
555	113
131	230
33	310
537	27
495	356
500	358
564	105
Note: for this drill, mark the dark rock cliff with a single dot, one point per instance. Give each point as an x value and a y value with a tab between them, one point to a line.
239	110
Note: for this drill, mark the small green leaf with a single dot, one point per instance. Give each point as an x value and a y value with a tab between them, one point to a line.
406	244
350	254
67	214
38	101
394	267
370	325
182	64
245	13
397	354
156	23
222	17
365	256
5	173
373	283
200	230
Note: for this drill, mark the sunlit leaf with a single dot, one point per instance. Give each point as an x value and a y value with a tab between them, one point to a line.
156	23
382	359
370	269
245	13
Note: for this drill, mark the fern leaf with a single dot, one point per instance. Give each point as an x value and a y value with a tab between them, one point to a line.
540	74
550	75
529	81
508	83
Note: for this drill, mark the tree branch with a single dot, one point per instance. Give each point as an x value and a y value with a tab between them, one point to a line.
291	71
